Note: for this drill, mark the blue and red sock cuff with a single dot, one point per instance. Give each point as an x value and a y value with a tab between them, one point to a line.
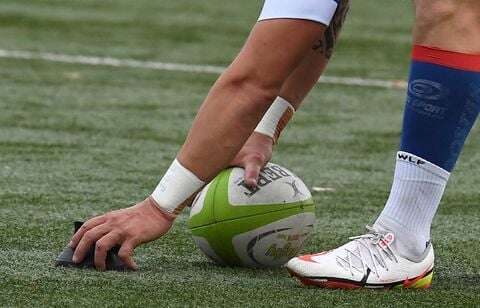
442	105
451	59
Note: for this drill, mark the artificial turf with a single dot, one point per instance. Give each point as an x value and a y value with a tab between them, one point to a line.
76	141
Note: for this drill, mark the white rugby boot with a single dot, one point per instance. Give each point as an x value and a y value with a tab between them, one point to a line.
368	261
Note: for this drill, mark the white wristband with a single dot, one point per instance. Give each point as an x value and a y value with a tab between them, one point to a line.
177	185
276	118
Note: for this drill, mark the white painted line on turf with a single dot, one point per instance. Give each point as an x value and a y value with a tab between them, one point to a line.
108	61
179	67
362	82
323	189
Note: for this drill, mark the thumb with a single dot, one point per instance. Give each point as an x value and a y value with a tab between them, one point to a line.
125	254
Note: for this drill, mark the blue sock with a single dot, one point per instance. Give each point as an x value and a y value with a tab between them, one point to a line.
442	105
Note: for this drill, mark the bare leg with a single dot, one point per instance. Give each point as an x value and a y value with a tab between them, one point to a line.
448	24
442	105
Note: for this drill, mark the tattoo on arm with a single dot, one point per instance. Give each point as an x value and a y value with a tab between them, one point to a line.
326	45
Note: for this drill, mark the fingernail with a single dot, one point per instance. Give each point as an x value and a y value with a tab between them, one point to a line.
70	244
75	259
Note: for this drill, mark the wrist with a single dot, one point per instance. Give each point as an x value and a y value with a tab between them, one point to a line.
158	210
275	119
175	189
260	138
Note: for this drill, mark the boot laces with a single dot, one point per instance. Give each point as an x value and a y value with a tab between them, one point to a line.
371	253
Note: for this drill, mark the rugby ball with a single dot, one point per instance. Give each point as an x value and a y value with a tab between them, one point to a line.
262	226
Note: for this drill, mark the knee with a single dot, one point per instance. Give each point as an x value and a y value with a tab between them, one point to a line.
432	13
448	24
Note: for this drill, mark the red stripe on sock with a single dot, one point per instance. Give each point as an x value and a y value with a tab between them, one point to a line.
452	59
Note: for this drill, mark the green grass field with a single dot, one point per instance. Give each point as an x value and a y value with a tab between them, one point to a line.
77	140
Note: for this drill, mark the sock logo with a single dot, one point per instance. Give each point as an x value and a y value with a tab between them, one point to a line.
426	89
410	159
426	97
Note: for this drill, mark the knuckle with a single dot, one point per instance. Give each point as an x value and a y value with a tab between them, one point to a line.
120	233
114	217
131	213
124	254
88	236
99	246
135	240
256	157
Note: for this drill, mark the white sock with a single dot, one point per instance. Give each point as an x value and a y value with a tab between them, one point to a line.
417	189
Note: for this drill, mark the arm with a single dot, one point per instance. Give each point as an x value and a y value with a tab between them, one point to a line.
257	151
224	122
244	92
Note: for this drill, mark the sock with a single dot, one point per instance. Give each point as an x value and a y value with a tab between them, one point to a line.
417	189
442	105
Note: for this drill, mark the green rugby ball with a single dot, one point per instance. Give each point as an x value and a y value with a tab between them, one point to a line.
262	226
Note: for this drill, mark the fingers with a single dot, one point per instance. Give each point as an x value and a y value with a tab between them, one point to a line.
102	247
126	252
252	172
87	240
253	165
91	223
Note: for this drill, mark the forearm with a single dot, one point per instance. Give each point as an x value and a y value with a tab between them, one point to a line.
307	74
244	92
303	79
291	96
276	47
223	124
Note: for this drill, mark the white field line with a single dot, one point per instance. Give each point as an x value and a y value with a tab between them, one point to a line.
179	67
322	189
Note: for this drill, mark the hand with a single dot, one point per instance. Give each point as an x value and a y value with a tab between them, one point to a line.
254	155
128	227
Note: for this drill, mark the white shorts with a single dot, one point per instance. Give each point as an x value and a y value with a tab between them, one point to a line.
321	11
